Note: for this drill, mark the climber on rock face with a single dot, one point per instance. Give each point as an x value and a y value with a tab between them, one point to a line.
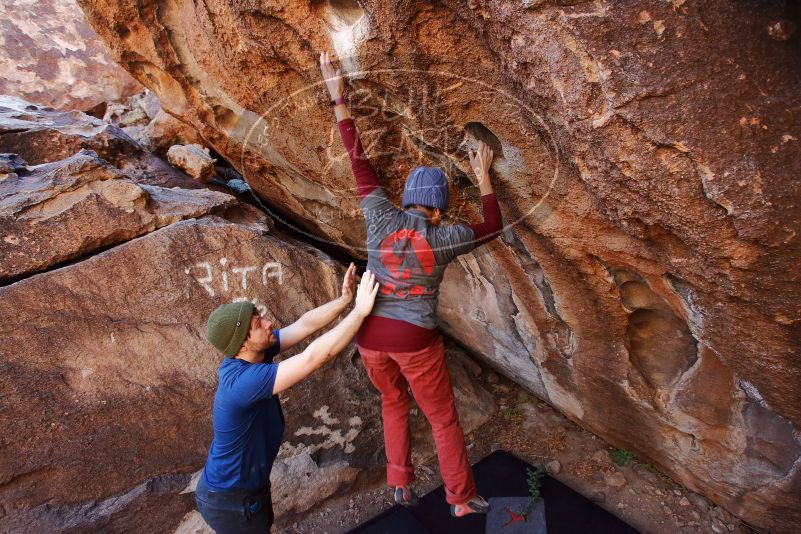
408	251
233	492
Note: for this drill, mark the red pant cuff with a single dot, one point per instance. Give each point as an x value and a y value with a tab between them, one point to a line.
399	475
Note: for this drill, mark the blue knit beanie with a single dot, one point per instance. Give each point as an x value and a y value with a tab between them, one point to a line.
426	186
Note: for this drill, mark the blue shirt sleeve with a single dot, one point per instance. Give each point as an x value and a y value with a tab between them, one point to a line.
255	383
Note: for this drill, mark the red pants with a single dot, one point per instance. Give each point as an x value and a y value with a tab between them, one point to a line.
425	371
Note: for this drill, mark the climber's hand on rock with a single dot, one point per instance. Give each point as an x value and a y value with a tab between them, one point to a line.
480	162
365	297
349	284
481	159
333	77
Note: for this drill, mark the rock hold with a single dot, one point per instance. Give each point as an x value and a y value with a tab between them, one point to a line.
194	160
615	480
554	467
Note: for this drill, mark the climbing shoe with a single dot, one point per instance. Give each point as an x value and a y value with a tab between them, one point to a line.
405	496
476	505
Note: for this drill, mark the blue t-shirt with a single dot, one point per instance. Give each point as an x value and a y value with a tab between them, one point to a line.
248	424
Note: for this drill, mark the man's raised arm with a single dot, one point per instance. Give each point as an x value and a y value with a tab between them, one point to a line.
294	369
321	316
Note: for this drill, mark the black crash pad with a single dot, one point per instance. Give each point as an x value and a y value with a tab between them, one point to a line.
498	475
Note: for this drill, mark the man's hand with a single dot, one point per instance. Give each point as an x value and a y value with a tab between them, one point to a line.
294	369
365	298
480	162
315	319
333	78
349	285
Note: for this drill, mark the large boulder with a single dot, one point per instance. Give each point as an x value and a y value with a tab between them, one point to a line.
107	380
40	135
59	211
51	56
647	284
108	359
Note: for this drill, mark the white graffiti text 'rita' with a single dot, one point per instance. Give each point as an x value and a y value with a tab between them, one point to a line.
232	277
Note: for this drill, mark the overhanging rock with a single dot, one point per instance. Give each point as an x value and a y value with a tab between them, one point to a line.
646	167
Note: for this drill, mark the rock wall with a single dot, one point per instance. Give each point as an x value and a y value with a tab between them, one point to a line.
647	283
110	262
141	117
52	57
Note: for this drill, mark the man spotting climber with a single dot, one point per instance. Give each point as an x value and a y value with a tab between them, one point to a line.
233	492
408	251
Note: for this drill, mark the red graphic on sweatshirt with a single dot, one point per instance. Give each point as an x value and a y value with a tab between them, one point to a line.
515	518
412	256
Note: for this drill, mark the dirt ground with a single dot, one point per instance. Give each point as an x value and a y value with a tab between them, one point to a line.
636	492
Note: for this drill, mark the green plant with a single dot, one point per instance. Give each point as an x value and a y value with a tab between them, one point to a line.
622	457
533	477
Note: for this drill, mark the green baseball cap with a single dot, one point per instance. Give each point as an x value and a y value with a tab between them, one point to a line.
228	325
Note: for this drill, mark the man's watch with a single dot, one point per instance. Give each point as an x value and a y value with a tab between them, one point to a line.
338	100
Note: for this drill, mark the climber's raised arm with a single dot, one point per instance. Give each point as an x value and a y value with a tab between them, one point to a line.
336	86
480	161
363	170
